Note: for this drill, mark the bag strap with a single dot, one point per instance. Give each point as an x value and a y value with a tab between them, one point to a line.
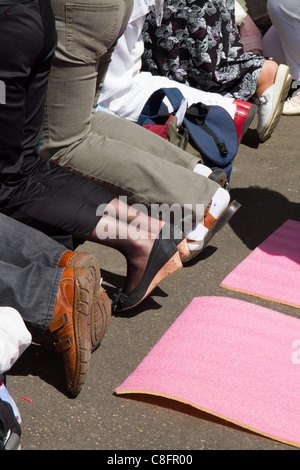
199	113
175	97
153	104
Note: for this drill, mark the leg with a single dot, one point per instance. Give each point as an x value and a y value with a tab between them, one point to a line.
285	16
151	254
31	291
23	182
21	245
266	77
127	170
58	300
272	46
271	97
45	283
41	198
286	20
149	261
45	189
16	60
132	233
86	37
88	145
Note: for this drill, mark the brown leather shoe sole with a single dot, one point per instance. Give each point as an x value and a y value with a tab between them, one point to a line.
100	318
81	259
70	326
101	306
83	298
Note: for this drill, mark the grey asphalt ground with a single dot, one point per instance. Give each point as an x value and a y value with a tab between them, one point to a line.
265	180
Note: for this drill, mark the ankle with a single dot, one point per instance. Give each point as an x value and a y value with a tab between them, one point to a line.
65	259
218	204
136	258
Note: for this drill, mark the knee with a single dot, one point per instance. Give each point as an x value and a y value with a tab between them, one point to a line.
268	71
273	7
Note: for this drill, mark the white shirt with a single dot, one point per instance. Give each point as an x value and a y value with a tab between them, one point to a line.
14	337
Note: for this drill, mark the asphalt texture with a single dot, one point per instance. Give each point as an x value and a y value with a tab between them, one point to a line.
265	180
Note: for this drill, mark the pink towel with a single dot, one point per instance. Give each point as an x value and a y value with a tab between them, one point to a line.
272	270
230	358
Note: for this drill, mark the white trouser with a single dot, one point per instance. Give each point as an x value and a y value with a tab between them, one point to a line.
282	40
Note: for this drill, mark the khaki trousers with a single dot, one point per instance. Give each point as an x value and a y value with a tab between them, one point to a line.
117	154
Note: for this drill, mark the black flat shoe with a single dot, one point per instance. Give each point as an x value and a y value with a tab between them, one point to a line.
163	261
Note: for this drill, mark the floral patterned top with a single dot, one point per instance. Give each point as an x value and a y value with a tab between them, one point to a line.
198	44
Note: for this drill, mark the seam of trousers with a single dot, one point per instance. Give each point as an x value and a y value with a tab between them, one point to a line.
99	180
53	296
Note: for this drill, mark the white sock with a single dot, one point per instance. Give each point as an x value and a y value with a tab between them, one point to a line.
198	232
219	202
202	170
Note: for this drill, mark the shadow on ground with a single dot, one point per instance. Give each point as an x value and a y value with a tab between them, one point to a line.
262	212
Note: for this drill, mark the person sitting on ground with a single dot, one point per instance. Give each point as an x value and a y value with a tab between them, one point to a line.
198	43
52	289
281	41
61	295
126	87
116	154
49	197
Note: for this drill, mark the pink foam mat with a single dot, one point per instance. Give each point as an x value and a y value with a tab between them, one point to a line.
272	270
230	358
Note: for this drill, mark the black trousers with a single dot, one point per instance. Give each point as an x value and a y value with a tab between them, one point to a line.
39	193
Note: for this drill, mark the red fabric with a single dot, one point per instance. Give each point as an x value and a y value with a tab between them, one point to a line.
159	129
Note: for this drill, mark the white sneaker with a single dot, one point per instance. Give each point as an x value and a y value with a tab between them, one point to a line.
271	103
292	105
